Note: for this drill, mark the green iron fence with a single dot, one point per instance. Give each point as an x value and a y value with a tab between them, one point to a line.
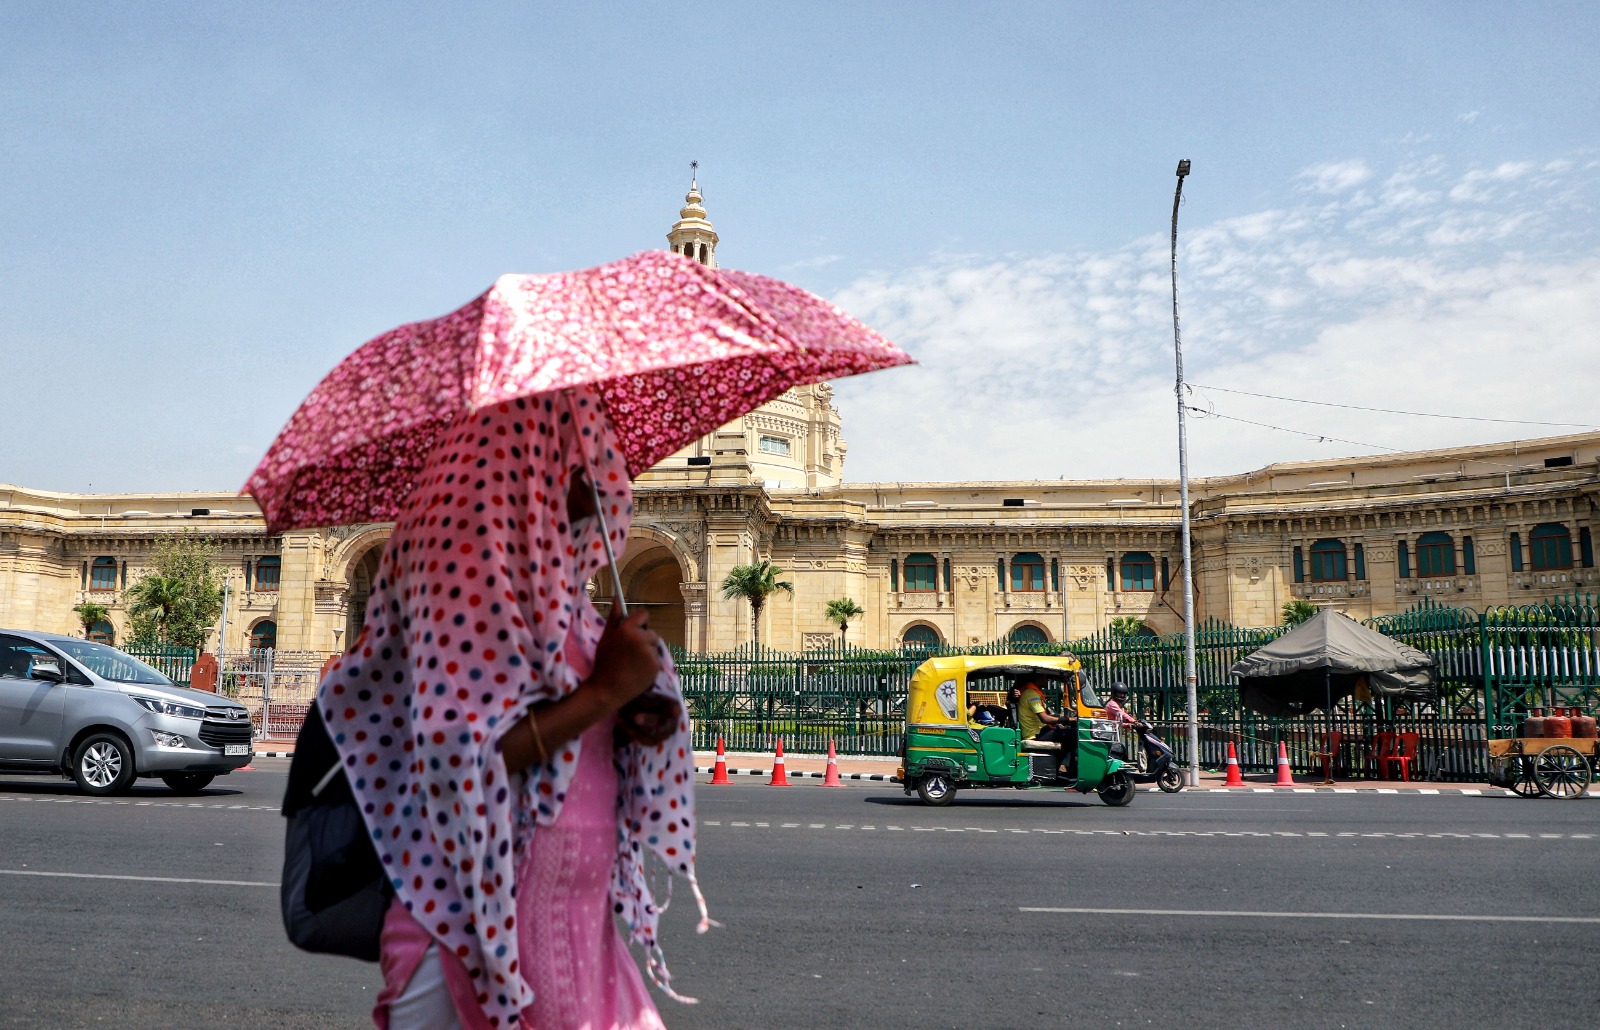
1493	667
172	662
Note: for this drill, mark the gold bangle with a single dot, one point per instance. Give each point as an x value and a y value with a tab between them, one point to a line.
538	741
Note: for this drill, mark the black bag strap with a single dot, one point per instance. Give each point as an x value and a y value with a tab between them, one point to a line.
313	770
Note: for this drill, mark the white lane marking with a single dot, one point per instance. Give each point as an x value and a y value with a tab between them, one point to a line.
143	804
1387	835
141	879
1402	916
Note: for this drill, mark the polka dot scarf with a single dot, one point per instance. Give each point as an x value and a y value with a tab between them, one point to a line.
466	628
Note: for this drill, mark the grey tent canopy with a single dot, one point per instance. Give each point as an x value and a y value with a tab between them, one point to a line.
1323	660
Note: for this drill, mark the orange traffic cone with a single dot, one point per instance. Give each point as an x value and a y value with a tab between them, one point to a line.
719	775
780	778
1234	779
1284	779
831	777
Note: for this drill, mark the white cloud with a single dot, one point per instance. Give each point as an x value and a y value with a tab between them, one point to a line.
1469	117
1335	177
1052	365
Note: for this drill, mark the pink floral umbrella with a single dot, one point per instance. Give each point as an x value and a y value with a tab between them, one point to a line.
676	349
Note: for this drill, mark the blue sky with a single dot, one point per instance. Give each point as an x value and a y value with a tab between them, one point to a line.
206	205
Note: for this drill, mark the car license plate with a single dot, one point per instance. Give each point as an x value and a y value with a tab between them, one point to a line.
236	749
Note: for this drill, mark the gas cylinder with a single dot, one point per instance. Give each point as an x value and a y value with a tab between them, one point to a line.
1533	725
1583	725
1558	725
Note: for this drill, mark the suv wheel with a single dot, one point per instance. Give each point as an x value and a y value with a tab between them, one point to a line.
188	783
103	765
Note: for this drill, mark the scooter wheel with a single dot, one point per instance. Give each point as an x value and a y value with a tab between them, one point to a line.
1171	781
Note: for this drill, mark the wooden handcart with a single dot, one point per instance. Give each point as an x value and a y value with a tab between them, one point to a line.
1555	767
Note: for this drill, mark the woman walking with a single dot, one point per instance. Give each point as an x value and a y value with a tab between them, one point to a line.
516	756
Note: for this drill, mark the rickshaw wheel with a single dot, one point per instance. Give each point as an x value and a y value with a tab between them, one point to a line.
1521	781
1117	791
1171	781
935	789
1561	772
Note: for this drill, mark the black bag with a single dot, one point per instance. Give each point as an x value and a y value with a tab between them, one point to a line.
334	892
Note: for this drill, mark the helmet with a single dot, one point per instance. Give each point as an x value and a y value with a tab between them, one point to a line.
1119	690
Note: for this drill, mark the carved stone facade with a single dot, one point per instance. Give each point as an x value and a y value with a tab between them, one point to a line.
923	558
962	563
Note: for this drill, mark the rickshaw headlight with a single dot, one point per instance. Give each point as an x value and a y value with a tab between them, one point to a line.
1104	729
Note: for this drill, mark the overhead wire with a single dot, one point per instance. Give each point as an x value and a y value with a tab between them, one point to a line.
1394	411
1325	438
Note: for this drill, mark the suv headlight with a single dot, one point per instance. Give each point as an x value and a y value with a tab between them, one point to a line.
1104	729
160	707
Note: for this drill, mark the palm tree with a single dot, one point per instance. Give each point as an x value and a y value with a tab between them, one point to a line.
1297	611
754	583
90	613
842	611
152	602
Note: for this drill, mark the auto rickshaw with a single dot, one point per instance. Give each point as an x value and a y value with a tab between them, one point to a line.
962	730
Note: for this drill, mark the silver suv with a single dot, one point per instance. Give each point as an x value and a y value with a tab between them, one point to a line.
83	709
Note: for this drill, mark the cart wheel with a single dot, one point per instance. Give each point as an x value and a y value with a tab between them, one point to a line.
1562	772
1520	778
935	789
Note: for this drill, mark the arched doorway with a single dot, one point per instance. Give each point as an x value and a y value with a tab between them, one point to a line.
652	580
362	572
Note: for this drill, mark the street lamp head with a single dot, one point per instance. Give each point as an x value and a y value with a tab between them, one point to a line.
1183	168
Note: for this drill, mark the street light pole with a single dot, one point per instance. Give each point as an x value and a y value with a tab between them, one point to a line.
1191	692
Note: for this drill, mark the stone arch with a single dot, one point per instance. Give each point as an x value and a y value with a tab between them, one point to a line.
356	562
1031	630
919	628
654	568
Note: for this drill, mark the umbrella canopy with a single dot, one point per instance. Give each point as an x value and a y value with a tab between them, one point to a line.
675	349
1323	660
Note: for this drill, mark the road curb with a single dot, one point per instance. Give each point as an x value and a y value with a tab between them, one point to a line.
794	774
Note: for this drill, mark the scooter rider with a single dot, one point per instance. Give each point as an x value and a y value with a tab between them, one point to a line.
1116	707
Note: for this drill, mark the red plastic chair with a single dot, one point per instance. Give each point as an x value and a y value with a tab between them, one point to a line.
1330	753
1382	750
1404	753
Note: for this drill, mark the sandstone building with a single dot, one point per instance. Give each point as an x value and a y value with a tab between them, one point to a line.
960	562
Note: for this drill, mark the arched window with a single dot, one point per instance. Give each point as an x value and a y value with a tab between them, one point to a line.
1550	547
1138	571
103	574
920	637
1327	561
264	635
267	570
1436	555
102	632
1028	635
1027	572
922	573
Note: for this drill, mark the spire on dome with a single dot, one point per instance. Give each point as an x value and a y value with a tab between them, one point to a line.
692	235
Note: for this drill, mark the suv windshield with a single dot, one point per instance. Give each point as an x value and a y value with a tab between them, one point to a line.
109	663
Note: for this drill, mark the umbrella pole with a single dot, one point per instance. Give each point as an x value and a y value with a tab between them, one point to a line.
618	601
605	537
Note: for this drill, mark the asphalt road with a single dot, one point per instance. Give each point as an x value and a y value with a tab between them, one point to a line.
858	907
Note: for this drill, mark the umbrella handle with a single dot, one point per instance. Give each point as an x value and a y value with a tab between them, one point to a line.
618	600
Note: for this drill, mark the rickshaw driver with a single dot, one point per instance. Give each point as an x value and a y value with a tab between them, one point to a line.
1036	723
